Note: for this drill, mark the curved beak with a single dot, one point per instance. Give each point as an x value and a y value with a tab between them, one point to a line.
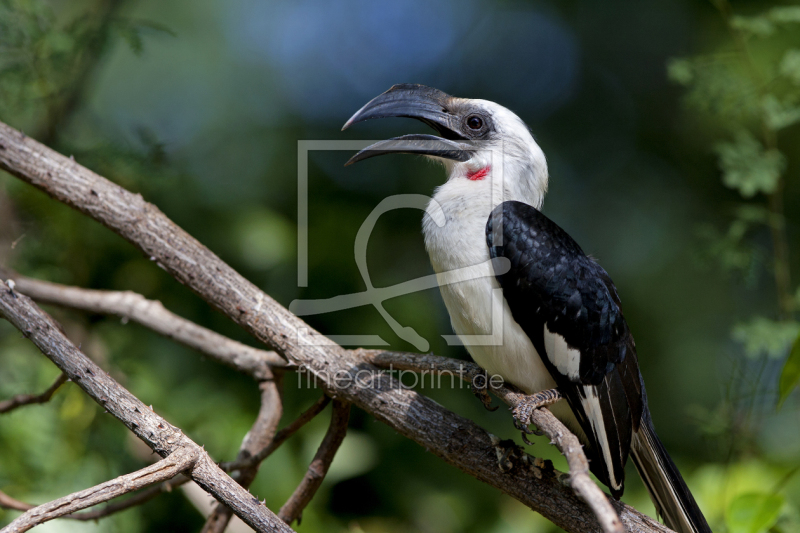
426	104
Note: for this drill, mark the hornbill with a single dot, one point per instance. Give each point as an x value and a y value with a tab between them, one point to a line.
562	323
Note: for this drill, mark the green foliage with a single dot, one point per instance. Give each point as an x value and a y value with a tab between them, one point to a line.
779	115
133	31
751	86
754	512
790	65
790	375
733	250
717	84
762	336
744	496
45	59
749	168
767	23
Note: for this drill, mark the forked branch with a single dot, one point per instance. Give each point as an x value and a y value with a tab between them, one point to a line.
153	315
178	461
340	372
27	399
566	442
293	509
157	433
7	502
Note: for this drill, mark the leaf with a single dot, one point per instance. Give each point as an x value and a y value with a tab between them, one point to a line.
747	167
680	71
753	214
132	37
762	335
753	512
777	114
784	14
132	30
156	27
760	25
790	65
790	375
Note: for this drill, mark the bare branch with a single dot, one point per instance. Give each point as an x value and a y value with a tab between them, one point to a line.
293	509
453	438
569	445
259	436
7	502
566	442
153	315
280	437
27	399
156	432
179	460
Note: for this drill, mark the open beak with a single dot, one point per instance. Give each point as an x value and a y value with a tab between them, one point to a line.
423	103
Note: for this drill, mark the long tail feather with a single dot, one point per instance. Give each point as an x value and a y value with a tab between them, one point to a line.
672	498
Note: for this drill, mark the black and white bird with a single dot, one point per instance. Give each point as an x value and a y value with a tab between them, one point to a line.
562	323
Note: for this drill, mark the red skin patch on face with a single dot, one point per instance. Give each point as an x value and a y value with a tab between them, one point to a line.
477	175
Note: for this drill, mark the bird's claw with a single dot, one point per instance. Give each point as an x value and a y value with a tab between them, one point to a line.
523	411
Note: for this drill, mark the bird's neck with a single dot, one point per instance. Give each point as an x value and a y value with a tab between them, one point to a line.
466	199
484	183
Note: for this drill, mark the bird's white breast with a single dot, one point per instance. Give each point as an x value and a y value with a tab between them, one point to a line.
461	243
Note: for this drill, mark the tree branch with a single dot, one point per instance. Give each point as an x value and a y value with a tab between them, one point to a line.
179	460
280	437
341	373
156	432
259	436
26	399
293	509
7	502
150	314
566	442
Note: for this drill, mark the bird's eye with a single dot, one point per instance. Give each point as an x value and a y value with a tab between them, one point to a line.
474	122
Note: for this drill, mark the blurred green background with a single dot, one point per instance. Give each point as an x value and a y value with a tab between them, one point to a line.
671	132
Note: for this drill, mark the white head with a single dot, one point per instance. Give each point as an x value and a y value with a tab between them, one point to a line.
479	139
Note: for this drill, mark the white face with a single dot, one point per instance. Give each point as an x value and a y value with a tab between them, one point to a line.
502	139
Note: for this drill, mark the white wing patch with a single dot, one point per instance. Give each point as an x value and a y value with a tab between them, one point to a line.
591	405
567	360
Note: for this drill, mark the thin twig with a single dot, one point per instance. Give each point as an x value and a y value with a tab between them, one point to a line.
339	372
259	436
293	508
178	461
7	502
566	442
153	315
155	431
280	437
27	399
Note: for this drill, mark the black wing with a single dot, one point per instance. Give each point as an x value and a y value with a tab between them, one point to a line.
569	307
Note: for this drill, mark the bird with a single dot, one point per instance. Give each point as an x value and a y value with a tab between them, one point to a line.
562	333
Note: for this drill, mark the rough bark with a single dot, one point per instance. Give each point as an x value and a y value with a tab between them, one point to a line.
340	372
155	431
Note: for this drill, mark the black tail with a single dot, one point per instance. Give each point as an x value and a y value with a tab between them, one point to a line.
673	501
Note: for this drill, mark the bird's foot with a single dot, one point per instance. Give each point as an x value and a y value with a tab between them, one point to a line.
480	386
523	411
